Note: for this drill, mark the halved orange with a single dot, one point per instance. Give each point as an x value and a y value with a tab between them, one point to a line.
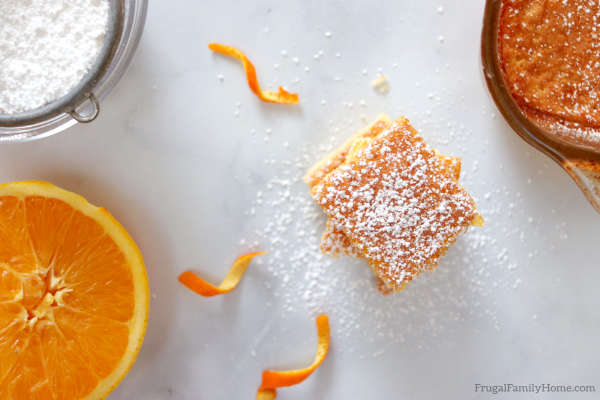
73	296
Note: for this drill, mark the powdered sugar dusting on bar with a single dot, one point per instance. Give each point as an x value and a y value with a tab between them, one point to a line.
335	242
395	205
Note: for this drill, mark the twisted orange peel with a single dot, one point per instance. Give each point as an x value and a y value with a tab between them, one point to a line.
281	97
271	380
235	274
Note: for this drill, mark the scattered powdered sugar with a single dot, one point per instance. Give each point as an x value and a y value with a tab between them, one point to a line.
46	48
289	224
462	291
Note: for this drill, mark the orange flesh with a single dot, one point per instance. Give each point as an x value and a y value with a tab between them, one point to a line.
67	297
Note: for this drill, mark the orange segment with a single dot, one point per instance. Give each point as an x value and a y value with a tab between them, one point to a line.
73	296
13	343
105	277
15	252
236	272
271	380
281	97
27	385
46	237
102	341
10	285
67	372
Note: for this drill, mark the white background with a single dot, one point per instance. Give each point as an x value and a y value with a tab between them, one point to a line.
174	158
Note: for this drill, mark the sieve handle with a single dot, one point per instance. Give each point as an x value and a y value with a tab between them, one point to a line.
87	117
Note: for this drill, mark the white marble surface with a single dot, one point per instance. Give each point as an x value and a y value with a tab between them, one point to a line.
171	160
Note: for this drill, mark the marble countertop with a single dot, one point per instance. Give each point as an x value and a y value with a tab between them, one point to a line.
199	171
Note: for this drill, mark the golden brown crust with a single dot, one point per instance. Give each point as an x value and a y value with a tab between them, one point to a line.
549	52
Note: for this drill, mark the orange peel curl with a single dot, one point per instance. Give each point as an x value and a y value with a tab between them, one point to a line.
281	97
271	380
235	274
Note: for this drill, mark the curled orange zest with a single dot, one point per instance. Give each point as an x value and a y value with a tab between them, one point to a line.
203	288
282	97
276	379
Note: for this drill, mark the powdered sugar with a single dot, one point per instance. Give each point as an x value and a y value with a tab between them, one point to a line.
46	48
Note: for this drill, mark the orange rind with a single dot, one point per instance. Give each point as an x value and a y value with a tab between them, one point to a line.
271	380
237	271
281	97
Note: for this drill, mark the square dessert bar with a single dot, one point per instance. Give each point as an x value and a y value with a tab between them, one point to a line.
335	242
391	200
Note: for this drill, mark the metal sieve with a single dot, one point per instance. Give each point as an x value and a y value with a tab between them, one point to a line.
82	103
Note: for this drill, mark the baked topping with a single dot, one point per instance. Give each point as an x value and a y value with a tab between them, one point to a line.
550	54
335	242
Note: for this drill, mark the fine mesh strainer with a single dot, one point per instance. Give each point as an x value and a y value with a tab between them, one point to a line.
82	103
